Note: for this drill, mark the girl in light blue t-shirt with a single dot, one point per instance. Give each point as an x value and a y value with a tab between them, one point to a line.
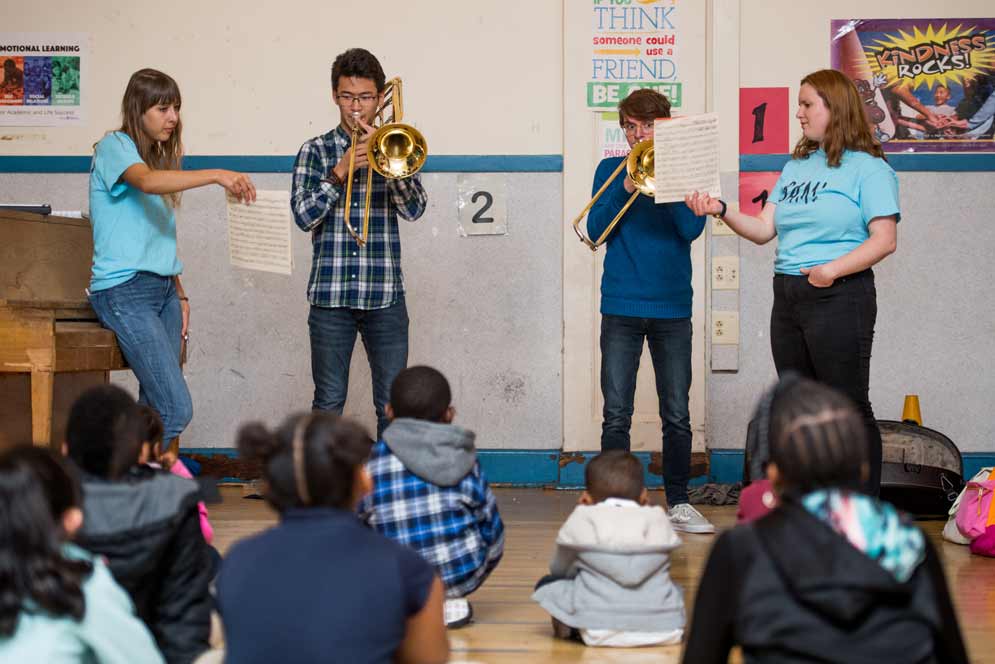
135	289
835	212
60	605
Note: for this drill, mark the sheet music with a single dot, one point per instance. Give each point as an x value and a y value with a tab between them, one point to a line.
259	233
686	157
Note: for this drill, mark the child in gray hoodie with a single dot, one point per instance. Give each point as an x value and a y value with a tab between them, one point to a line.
429	492
609	582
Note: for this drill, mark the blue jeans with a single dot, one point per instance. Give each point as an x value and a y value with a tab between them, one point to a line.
333	336
669	341
144	313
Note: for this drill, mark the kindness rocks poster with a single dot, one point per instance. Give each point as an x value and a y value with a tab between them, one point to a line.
927	84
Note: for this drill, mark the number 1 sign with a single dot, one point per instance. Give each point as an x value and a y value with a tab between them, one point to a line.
763	120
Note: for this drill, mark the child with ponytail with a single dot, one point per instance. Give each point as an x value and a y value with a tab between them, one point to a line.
320	586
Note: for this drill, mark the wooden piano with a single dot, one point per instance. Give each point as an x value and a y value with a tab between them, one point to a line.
51	345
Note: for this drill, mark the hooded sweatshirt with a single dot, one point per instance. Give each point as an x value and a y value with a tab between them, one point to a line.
429	493
615	557
801	585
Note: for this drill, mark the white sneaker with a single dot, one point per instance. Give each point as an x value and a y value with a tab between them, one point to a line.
687	519
457	612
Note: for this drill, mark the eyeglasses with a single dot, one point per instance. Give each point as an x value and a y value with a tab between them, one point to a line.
630	127
348	99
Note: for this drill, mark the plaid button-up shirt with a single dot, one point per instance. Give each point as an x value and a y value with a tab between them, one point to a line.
457	529
342	273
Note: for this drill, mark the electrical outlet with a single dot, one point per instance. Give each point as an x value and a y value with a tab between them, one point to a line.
720	227
725	327
725	272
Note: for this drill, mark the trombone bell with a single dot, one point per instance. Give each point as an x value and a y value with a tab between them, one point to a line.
397	150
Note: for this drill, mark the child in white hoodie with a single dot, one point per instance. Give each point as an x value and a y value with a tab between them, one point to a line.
609	582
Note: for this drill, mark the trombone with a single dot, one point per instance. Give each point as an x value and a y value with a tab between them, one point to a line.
396	151
639	168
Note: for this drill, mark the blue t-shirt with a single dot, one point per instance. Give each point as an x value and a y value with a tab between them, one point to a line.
319	587
822	213
132	231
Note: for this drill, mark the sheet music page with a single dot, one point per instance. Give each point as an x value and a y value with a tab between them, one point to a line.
686	157
259	233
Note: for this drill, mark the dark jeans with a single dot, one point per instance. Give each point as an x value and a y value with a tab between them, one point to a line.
826	334
144	314
333	336
669	341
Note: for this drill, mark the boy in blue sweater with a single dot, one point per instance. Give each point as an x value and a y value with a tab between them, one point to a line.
646	295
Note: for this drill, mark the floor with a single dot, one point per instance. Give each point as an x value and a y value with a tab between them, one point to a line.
510	628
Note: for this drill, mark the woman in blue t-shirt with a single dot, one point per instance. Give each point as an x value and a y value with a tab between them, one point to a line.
835	212
321	586
135	185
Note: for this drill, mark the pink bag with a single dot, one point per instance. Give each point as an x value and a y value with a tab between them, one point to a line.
975	509
984	545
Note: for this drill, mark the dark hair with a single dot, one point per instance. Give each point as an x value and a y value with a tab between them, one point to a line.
147	88
104	433
360	63
152	430
818	440
643	105
848	128
614	474
309	461
35	490
421	393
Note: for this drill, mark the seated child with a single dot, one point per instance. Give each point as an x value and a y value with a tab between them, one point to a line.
610	583
59	604
144	521
429	491
831	574
320	586
152	455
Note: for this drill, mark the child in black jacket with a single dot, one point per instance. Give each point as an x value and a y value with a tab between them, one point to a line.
145	522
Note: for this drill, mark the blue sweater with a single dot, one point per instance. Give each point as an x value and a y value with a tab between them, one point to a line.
648	264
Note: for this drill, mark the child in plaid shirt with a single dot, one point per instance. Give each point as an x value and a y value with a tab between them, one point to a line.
429	492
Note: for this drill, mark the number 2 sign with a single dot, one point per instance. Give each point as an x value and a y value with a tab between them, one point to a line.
481	198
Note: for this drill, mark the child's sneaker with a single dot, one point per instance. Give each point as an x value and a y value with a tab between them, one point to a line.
457	612
687	519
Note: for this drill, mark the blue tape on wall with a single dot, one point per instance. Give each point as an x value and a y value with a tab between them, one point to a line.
949	162
446	163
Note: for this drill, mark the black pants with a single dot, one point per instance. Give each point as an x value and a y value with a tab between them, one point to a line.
826	334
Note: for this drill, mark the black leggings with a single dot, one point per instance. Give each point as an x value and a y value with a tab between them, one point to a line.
826	334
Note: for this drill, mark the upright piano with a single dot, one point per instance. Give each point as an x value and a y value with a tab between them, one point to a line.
51	345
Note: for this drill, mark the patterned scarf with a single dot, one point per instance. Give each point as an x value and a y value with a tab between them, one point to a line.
872	527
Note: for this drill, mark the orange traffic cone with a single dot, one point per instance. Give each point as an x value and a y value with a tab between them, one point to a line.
910	411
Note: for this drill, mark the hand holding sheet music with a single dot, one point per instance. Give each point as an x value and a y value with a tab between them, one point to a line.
686	156
259	233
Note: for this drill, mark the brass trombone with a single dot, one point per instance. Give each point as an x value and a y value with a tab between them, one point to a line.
396	150
639	168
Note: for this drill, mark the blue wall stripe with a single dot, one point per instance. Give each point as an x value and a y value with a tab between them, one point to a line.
554	468
447	163
949	161
565	470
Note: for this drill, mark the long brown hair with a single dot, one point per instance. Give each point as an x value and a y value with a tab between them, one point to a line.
848	127
148	88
